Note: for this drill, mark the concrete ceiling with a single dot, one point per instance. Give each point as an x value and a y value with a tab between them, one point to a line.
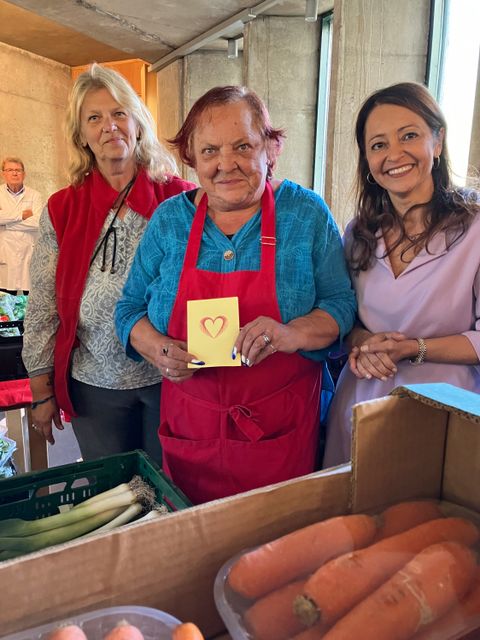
77	32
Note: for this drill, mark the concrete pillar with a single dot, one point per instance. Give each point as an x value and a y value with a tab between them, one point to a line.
207	69
204	70
375	43
183	82
281	65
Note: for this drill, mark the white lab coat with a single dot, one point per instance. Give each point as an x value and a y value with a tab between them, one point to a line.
17	236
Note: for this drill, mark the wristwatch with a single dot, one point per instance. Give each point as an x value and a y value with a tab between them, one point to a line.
422	352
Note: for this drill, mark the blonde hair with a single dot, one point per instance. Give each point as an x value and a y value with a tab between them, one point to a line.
149	152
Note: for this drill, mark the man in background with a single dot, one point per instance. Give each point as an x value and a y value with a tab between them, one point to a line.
20	209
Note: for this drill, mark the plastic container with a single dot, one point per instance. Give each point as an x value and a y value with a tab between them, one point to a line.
230	605
232	608
153	623
40	493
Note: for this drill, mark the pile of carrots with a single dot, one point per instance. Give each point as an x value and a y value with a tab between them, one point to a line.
408	574
125	631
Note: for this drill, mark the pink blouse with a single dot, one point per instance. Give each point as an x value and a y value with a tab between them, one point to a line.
437	295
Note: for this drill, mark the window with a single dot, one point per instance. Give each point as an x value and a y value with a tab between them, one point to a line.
322	103
452	73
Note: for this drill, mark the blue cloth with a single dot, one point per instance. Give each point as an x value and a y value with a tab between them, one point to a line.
310	265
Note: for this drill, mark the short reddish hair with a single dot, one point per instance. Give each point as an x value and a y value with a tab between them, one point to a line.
225	95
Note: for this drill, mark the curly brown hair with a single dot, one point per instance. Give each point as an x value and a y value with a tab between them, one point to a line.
451	209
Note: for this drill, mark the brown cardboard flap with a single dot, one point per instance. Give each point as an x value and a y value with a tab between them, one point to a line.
397	451
462	463
169	564
465	404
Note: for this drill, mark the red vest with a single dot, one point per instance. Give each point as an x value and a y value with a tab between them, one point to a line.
78	215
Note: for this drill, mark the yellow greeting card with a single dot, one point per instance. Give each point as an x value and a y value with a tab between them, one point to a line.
212	328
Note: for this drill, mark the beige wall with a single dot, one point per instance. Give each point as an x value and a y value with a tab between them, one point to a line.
375	43
34	94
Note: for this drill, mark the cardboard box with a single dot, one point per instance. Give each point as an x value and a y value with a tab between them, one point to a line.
421	442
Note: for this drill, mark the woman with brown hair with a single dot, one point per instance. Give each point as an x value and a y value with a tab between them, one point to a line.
414	253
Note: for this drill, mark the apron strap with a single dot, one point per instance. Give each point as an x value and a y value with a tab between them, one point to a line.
268	234
196	232
268	237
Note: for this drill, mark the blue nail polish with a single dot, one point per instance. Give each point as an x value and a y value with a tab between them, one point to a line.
199	362
234	353
244	360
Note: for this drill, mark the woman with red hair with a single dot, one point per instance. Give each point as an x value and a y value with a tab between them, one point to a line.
275	246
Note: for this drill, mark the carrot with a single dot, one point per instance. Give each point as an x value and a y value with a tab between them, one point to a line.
405	515
421	591
124	631
187	631
317	632
272	617
341	583
298	554
67	632
459	619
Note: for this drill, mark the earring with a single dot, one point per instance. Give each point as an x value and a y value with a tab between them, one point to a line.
370	179
436	162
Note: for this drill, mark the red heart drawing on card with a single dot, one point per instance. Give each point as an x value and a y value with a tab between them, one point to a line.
213	327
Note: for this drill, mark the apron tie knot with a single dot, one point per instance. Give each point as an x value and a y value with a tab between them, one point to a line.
242	416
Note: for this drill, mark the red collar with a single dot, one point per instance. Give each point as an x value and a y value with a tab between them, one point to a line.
141	198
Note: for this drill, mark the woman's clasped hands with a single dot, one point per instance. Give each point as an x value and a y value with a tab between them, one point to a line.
377	356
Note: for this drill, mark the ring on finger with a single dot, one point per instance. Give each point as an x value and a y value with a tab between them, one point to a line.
274	350
266	339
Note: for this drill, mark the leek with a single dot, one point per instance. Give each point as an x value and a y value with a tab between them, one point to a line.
123	517
135	491
27	544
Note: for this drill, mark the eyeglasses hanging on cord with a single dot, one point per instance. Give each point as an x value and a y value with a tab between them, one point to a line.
112	231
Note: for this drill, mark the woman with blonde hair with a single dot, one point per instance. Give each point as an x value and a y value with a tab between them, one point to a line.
119	173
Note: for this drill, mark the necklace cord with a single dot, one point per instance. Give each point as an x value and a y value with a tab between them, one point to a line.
103	243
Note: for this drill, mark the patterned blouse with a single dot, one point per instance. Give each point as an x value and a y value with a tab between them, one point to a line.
99	359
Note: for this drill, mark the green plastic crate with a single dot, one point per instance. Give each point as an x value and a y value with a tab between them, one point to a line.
39	493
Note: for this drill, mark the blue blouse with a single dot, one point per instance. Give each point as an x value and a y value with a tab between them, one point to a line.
310	267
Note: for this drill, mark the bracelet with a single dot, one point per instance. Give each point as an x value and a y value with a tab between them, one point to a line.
35	404
422	352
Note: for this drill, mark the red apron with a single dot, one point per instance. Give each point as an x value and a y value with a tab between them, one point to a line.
232	429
